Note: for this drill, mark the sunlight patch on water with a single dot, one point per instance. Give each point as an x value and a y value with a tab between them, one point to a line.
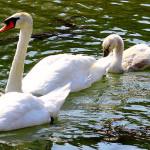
147	5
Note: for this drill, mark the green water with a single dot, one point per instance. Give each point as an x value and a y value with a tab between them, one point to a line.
79	27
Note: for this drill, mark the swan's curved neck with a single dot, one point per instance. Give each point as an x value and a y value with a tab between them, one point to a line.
14	83
118	53
116	64
117	56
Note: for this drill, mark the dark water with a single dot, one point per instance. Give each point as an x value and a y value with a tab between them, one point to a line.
79	27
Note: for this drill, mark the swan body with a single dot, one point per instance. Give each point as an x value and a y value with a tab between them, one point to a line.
134	58
20	110
17	109
57	70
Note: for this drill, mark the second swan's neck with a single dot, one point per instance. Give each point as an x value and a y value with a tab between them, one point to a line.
116	64
14	83
118	53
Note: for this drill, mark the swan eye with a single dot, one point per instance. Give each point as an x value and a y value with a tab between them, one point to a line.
14	20
106	52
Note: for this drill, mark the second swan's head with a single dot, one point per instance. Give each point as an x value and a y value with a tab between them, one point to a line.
19	20
109	43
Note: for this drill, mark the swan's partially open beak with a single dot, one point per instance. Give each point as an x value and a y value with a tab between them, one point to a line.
106	52
7	27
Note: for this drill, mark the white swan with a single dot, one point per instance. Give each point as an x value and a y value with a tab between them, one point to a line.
133	59
53	71
57	70
19	110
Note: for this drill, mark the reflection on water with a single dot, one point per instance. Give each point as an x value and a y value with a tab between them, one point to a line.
79	27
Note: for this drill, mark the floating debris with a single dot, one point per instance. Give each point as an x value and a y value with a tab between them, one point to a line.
110	133
65	22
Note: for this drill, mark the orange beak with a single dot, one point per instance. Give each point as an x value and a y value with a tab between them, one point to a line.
7	27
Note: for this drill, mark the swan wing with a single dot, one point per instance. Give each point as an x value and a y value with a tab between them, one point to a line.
56	71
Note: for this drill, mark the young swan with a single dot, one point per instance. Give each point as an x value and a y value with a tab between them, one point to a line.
17	109
133	59
114	43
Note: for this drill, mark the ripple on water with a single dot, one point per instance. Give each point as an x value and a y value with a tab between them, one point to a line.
146	5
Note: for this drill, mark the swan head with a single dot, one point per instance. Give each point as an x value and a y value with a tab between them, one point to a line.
19	20
109	43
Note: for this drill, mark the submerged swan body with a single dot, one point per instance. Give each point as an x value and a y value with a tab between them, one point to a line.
20	110
57	70
17	109
133	59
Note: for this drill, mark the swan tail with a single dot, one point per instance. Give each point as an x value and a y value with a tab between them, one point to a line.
99	68
55	99
102	64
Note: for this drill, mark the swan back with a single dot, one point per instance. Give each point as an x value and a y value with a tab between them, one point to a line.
20	110
58	70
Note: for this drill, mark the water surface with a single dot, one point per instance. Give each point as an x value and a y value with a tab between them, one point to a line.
79	27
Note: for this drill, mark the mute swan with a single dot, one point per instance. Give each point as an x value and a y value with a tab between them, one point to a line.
53	71
57	70
19	110
133	59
